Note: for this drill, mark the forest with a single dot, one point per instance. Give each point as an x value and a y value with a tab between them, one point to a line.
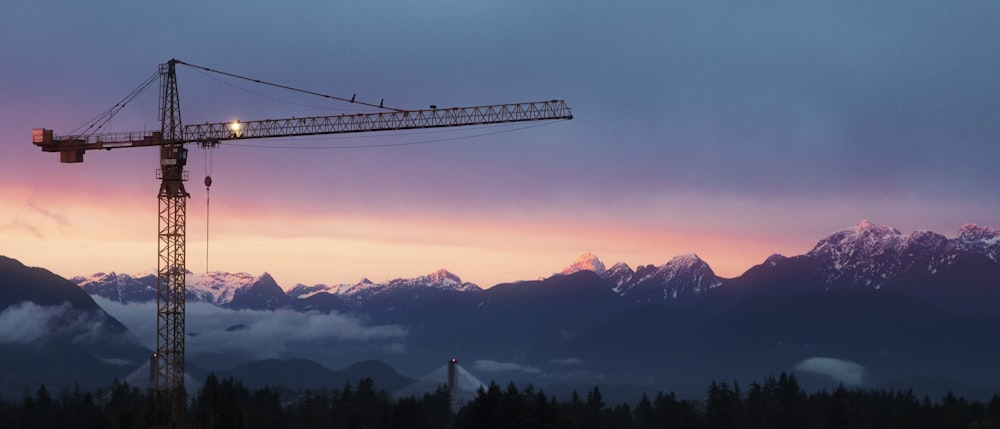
777	402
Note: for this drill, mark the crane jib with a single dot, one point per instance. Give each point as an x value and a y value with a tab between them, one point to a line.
73	146
386	121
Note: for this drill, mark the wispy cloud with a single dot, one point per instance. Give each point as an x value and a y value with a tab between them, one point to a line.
567	361
58	218
17	224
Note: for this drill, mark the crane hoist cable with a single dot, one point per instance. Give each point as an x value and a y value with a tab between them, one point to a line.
208	200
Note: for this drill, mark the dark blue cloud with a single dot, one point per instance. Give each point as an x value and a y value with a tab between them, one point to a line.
873	104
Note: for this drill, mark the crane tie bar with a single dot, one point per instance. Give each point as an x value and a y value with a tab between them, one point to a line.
276	85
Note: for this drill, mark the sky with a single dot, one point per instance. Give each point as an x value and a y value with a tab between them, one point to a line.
731	129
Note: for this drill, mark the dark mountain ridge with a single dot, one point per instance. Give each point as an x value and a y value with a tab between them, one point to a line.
54	333
960	274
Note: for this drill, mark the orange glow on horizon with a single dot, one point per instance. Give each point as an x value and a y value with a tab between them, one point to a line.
70	235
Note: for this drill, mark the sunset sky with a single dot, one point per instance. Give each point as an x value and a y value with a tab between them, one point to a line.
732	130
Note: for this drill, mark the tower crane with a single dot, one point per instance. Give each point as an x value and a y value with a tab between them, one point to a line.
167	364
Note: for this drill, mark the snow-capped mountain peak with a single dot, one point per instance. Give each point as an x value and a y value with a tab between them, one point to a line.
587	261
869	232
685	261
443	276
215	287
689	268
118	287
218	287
683	277
301	291
863	244
441	279
620	275
980	239
873	256
973	232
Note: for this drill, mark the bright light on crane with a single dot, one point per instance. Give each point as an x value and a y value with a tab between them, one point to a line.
236	128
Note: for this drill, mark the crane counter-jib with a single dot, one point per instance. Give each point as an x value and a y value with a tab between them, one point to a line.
73	146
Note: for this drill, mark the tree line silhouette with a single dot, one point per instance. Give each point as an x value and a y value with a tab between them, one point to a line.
777	402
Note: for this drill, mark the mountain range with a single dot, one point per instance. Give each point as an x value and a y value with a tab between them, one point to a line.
866	257
874	306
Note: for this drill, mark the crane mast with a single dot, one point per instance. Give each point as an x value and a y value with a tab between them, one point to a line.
167	368
167	364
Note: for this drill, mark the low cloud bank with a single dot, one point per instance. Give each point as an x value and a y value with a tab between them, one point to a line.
28	323
844	371
487	365
260	334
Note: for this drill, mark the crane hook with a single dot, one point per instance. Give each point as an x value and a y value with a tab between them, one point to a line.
208	201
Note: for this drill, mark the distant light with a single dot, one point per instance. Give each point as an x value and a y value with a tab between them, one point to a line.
453	360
